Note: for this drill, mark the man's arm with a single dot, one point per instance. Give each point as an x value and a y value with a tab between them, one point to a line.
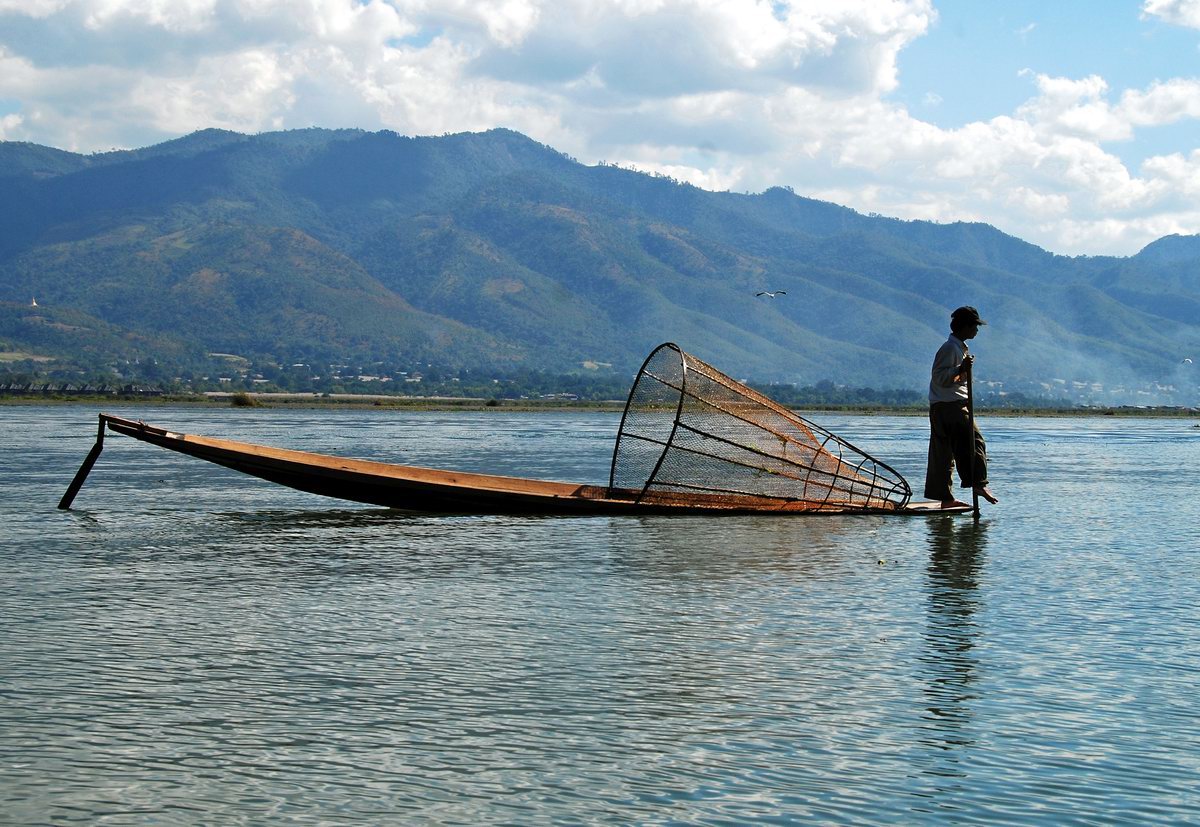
948	366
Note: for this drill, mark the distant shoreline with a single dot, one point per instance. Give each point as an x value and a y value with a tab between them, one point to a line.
312	400
416	403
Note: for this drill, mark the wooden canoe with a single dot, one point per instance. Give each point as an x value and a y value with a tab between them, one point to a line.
431	490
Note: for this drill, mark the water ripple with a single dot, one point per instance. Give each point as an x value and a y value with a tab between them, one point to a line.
227	652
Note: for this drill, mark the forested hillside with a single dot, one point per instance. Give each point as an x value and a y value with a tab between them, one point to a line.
311	253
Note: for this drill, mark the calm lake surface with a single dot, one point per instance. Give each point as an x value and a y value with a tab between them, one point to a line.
191	646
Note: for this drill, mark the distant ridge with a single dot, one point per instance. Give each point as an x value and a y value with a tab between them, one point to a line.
1172	249
490	251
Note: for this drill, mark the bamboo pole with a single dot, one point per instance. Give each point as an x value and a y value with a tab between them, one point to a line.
971	425
85	469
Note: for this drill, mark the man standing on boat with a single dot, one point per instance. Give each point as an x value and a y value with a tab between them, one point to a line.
953	438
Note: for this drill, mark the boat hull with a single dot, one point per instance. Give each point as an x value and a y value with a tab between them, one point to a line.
430	490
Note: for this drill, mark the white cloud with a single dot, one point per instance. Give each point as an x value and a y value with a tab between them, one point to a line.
32	8
436	65
171	15
1179	12
8	124
247	92
662	48
506	22
1178	175
1164	102
1041	173
725	94
1040	205
1075	107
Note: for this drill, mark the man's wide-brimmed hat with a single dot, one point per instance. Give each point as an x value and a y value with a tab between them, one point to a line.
966	315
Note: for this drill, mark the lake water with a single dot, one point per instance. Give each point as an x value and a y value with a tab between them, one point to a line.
191	646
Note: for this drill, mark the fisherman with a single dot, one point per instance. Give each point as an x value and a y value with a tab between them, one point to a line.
953	439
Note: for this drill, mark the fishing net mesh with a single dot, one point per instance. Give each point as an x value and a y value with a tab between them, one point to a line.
692	433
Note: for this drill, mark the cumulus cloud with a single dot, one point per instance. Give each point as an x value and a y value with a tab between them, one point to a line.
32	8
1076	107
1163	102
8	124
1179	12
242	92
561	67
1181	172
737	94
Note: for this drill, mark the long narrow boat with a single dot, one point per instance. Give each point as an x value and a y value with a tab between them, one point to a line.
692	441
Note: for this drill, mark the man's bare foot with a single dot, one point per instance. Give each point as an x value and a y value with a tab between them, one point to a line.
987	494
955	504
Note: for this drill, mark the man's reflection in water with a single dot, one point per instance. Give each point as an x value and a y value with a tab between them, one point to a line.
956	557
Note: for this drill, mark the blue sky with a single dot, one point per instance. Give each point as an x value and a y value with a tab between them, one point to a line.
1071	124
974	62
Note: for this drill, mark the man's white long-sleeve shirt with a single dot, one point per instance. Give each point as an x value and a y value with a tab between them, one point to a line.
942	387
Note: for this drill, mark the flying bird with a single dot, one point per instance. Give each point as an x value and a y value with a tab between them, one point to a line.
1187	361
771	293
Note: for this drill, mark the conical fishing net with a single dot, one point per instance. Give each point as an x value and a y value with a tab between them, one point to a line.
690	433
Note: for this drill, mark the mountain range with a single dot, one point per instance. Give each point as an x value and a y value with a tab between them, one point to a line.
491	252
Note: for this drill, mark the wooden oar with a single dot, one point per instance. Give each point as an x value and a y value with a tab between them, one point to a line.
971	425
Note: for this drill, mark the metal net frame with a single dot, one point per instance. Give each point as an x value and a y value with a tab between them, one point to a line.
690	433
